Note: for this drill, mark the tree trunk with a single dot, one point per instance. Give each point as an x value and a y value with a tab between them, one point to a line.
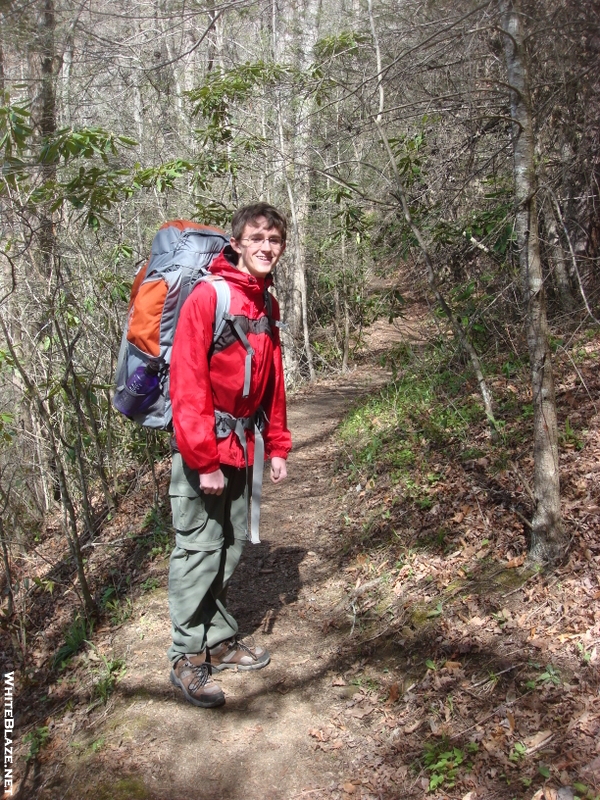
10	606
558	260
47	128
548	538
346	317
297	30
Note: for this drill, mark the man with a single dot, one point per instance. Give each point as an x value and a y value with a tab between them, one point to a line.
239	378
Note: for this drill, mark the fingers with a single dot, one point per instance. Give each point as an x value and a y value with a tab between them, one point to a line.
278	472
212	482
213	490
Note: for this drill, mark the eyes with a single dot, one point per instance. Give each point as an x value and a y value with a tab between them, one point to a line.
257	241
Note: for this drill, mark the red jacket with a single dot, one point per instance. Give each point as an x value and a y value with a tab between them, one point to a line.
199	384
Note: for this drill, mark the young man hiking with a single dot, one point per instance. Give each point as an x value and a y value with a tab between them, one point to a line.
228	400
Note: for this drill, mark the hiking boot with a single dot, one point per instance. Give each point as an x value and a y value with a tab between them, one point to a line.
192	674
243	654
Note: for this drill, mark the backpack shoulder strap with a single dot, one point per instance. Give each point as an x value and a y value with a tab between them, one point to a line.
223	293
221	287
273	323
222	316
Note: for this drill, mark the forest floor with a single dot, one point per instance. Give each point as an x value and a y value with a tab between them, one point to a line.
405	662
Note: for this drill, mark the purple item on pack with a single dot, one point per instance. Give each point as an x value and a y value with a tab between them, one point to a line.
140	391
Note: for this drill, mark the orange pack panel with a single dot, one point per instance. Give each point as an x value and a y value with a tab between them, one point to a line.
137	282
182	224
144	317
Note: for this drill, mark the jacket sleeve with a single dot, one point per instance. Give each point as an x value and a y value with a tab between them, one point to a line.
278	440
190	386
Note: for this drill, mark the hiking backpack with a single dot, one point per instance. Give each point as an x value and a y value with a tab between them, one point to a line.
181	253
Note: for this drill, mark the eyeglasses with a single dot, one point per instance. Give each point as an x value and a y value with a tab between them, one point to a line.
257	241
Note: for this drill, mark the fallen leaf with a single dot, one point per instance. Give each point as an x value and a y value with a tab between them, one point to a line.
359	713
533	743
593	769
477	622
349	788
453	665
566	637
435	726
413	726
394	694
492	747
565	793
540	644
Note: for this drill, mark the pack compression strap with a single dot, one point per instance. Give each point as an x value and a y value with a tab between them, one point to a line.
227	424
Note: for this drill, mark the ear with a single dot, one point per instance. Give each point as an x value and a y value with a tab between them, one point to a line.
235	246
281	252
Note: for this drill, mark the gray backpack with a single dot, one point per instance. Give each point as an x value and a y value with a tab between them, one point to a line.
181	253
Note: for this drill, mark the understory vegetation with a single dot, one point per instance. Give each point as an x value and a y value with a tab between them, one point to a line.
475	661
407	441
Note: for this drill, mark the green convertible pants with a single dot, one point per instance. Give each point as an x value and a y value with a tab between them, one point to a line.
210	534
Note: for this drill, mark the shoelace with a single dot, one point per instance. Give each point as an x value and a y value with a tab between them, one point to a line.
201	675
238	644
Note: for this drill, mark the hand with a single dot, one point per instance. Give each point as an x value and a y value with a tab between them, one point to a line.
212	482
278	469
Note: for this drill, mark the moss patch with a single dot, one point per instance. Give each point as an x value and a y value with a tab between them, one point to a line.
124	789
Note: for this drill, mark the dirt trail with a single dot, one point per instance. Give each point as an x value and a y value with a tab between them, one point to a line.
149	743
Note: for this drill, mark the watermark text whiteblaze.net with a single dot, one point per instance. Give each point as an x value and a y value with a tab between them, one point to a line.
9	728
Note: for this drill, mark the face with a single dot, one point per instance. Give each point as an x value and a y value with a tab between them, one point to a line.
258	255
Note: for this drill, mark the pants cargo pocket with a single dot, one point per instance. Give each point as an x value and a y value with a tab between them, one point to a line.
198	522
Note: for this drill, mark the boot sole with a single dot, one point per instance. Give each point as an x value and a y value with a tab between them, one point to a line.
242	667
213	702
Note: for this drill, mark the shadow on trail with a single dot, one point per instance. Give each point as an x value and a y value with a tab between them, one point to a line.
230	779
266	580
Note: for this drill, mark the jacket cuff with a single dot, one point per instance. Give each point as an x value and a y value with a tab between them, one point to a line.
278	454
206	469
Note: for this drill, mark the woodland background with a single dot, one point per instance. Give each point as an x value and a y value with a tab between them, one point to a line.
448	148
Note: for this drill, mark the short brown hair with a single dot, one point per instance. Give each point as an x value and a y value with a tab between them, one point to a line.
250	214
